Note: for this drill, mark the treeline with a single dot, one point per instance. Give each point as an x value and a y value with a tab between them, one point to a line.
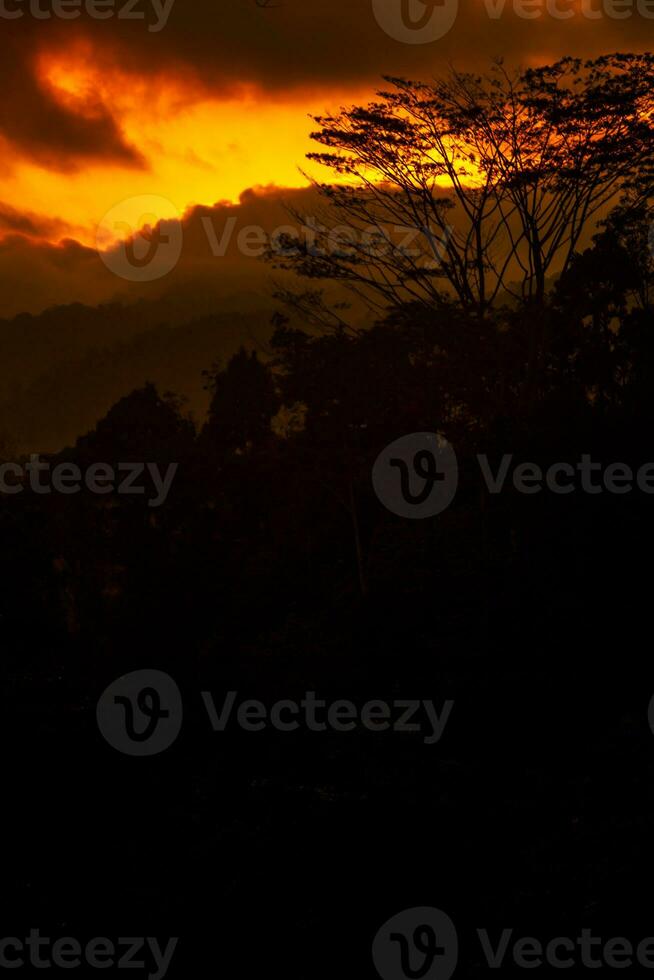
272	502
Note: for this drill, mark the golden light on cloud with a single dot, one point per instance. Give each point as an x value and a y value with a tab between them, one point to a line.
197	149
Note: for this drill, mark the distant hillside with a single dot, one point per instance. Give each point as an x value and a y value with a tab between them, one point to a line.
62	370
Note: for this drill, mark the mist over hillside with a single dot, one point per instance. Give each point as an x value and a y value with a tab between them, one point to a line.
61	371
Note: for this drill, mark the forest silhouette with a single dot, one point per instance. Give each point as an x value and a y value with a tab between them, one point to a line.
273	568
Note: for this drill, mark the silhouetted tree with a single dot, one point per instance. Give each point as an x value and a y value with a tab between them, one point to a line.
499	177
243	404
142	426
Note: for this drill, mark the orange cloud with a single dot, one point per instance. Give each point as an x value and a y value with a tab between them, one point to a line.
194	148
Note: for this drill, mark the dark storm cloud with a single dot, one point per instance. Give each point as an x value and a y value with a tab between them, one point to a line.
331	42
31	225
214	271
38	126
212	47
317	43
313	46
35	275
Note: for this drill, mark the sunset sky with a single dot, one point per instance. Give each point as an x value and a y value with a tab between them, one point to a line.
215	99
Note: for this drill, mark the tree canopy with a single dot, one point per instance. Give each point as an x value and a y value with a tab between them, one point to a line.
498	179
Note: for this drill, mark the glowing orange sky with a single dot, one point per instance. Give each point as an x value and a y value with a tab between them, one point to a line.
198	150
